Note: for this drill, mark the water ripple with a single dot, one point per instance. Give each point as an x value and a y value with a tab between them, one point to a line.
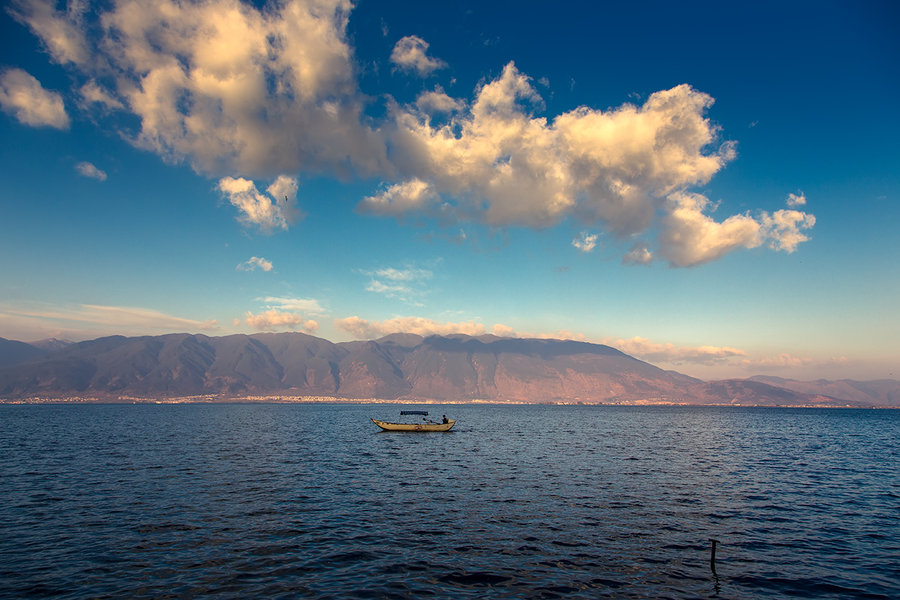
287	501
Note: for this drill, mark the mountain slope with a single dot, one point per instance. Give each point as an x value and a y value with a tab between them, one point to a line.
401	366
880	392
492	368
13	352
454	368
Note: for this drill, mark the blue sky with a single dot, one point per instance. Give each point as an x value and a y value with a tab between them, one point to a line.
712	187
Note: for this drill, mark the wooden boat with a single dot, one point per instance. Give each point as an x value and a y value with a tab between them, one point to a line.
426	426
415	426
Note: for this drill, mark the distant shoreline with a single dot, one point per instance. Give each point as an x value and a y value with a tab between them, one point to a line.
276	399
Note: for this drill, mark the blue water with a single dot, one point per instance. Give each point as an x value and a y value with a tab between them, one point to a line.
270	500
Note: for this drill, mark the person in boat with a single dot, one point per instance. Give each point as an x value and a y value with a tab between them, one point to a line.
445	420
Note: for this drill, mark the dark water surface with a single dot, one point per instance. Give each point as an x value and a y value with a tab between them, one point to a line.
292	501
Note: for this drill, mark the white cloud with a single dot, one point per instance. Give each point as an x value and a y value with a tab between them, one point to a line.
655	352
253	263
789	361
61	32
794	200
782	228
437	102
283	187
284	314
501	330
499	164
250	92
272	320
23	96
778	361
405	284
92	93
638	255
496	163
225	86
363	329
277	210
89	170
690	237
103	319
391	290
408	274
410	54
131	316
585	242
306	305
398	199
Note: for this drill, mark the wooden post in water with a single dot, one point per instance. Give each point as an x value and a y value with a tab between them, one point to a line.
712	556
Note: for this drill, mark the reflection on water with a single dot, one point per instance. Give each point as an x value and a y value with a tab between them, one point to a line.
515	501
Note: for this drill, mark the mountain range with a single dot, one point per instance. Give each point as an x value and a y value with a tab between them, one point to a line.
402	367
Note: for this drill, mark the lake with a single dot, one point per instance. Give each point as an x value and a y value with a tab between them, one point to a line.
310	500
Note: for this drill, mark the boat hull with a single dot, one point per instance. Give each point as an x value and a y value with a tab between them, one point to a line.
415	426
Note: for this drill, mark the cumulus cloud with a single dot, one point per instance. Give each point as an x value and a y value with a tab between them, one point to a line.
496	162
284	314
410	53
794	200
277	209
437	102
586	242
398	199
89	170
691	237
283	187
363	329
782	228
245	93
23	96
501	330
638	255
273	320
253	263
92	93
225	86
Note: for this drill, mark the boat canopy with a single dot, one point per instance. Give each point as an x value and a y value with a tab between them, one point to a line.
414	412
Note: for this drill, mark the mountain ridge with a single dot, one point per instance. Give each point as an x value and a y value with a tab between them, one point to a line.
401	367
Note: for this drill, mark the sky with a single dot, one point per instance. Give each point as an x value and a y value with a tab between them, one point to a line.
711	187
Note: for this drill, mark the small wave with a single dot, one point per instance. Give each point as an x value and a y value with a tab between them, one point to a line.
476	578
